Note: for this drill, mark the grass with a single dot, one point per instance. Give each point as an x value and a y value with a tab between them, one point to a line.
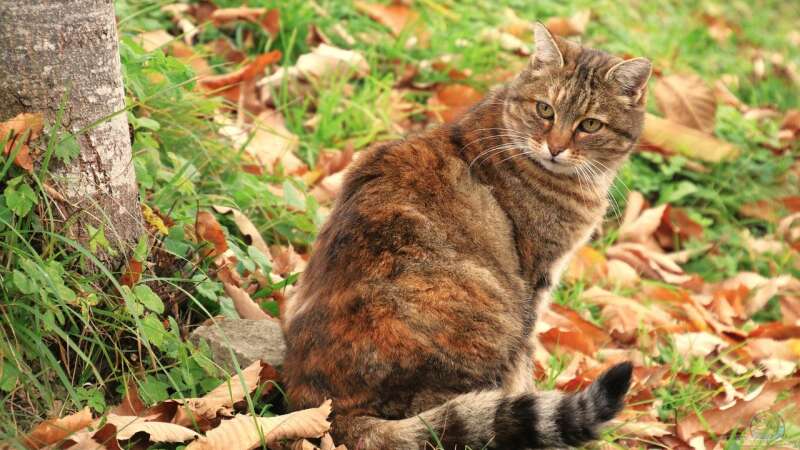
69	340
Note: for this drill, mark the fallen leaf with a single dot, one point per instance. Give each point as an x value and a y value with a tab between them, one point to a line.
722	421
220	83
13	129
209	230
221	398
127	426
687	100
761	288
395	16
132	273
650	263
587	264
622	274
131	404
671	137
569	26
56	430
269	19
247	228
287	260
102	439
769	209
572	340
244	432
245	306
697	344
324	62
153	40
451	101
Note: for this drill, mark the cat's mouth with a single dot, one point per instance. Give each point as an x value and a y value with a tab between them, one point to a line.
554	165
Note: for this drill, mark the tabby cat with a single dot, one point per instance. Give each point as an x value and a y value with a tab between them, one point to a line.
416	311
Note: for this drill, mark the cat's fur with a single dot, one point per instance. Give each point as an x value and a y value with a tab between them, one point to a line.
416	311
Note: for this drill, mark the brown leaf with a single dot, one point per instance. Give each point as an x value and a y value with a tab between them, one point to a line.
273	144
587	264
769	209
14	128
127	426
569	26
103	439
761	289
572	340
396	16
324	62
622	274
220	398
451	101
650	263
209	230
56	430
722	421
132	273
247	228
671	137
244	432
269	19
131	404
219	83
245	306
687	100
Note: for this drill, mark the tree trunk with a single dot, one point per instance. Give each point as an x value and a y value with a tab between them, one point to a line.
50	49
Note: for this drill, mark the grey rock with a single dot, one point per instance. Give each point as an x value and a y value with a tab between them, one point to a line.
250	340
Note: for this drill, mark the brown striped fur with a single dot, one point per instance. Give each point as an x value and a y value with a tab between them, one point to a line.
416	311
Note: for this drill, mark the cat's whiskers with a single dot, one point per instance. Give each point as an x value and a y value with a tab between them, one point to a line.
486	154
596	171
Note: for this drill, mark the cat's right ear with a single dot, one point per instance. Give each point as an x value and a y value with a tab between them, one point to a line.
547	53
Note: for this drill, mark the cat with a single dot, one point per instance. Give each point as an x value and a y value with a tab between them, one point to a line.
415	313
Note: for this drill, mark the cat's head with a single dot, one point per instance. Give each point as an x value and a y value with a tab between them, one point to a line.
575	109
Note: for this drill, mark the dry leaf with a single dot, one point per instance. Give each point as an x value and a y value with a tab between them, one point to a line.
131	404
269	19
220	398
587	264
687	100
451	101
395	16
697	344
569	26
324	62
622	274
209	230
246	227
102	439
722	421
572	340
56	430
769	209
127	426
252	70
245	432
245	306
650	263
670	137
12	129
761	288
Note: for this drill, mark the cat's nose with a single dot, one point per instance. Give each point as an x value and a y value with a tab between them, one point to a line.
557	142
555	151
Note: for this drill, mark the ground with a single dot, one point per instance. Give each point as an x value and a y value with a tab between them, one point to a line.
243	120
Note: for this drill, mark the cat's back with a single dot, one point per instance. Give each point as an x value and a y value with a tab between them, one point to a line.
414	247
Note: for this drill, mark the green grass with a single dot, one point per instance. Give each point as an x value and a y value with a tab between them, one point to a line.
69	340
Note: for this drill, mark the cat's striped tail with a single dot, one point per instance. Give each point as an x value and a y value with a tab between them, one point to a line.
494	420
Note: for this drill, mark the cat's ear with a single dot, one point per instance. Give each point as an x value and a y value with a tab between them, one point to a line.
547	52
631	75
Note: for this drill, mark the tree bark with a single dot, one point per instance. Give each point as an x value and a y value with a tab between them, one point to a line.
50	49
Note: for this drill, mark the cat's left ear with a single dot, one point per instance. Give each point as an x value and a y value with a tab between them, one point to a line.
547	52
631	75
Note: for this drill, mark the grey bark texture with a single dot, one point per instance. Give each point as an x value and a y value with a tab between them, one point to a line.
53	48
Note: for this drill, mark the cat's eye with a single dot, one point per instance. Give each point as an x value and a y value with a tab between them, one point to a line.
590	125
544	110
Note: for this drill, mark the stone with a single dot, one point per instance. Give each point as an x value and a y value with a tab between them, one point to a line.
250	340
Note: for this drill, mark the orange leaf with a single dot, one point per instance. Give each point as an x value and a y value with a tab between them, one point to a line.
208	229
573	340
721	421
687	100
395	17
269	19
132	274
569	26
16	127
56	430
451	101
246	73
